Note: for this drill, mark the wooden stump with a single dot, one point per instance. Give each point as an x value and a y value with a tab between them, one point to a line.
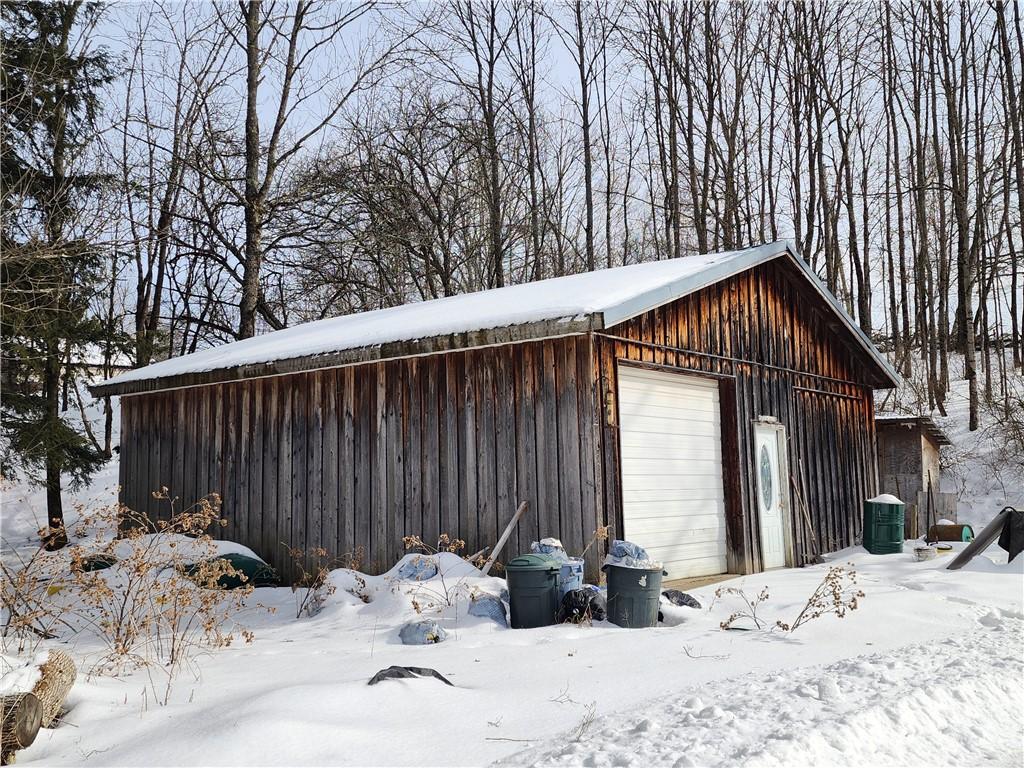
22	717
56	676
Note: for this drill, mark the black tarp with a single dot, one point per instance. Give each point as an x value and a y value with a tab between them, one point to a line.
1012	537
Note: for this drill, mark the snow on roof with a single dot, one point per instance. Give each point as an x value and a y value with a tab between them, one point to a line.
608	295
926	422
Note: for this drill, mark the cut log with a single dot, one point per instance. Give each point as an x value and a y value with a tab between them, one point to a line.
56	676
22	717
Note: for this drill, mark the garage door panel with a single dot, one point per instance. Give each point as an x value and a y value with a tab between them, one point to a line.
671	463
693	483
638	444
638	408
652	425
659	507
699	407
673	466
700	528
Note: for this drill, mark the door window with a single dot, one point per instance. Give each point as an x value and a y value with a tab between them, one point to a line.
767	477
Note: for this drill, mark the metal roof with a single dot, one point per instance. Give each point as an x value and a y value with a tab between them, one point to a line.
556	307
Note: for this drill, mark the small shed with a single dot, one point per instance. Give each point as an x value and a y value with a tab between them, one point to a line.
909	467
714	409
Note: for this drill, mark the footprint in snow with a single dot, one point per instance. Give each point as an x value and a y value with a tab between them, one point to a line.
991	619
645	726
912	585
961	600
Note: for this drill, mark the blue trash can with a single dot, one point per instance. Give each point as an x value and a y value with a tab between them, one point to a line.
570	576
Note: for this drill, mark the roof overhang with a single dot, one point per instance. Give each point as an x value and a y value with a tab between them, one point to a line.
531	331
376	353
925	423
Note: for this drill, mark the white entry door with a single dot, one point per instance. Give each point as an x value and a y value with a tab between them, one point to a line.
771	493
673	498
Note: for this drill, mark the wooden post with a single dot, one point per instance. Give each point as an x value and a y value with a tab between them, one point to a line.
504	537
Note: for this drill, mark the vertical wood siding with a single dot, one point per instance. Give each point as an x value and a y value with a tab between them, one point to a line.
356	458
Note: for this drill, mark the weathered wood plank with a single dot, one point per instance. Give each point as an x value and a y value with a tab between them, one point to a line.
505	442
379	506
430	451
396	461
589	459
448	469
412	437
347	543
298	538
469	519
526	444
364	446
569	492
547	445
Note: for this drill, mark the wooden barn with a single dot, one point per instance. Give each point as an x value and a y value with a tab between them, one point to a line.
710	408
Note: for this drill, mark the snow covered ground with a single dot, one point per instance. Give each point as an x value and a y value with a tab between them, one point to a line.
928	671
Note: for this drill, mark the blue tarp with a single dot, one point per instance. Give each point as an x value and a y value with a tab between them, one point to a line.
418	569
489	607
423	632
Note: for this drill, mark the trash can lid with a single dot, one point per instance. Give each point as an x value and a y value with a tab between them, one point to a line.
533	562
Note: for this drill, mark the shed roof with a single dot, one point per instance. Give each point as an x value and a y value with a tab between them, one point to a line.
925	423
548	308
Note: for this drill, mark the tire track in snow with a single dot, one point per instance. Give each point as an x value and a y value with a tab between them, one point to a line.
958	701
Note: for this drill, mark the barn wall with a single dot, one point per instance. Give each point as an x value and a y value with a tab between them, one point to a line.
777	351
359	457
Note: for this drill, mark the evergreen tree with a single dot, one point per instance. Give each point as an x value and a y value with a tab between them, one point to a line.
51	83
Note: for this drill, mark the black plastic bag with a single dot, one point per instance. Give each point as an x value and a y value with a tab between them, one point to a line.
401	673
579	605
676	597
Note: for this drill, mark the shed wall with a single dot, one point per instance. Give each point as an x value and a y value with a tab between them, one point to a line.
356	458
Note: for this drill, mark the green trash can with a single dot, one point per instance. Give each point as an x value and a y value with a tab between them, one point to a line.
634	595
532	590
883	525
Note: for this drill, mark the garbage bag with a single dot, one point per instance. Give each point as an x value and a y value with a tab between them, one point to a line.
423	632
621	549
98	562
676	597
579	605
256	572
575	606
1012	537
488	606
400	673
552	547
418	569
629	555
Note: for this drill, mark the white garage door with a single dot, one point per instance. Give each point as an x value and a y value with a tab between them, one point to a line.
670	432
